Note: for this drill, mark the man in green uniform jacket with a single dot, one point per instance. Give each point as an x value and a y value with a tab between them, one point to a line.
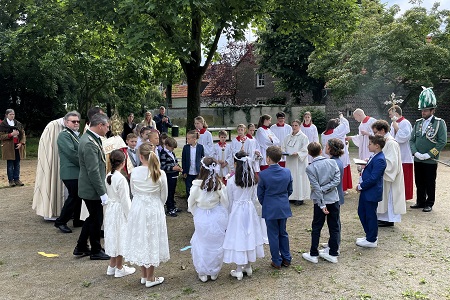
428	138
91	186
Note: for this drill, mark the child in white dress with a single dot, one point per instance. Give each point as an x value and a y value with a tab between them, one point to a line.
205	138
116	213
244	238
209	205
147	242
223	155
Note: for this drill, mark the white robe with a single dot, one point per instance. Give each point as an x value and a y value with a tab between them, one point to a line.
206	141
362	141
225	155
402	137
262	137
393	204
339	133
48	196
312	134
297	164
250	147
281	132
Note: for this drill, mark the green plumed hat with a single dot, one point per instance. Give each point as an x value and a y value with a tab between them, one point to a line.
427	99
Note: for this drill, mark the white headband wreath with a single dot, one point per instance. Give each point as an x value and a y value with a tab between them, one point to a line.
213	169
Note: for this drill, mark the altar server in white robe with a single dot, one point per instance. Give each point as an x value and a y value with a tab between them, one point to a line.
281	131
265	138
393	204
310	130
338	129
401	130
296	145
361	140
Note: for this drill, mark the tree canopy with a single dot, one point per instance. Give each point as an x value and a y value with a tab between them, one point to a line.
387	54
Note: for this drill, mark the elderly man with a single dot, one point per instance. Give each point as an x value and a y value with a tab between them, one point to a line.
91	186
13	139
68	142
361	140
162	121
428	138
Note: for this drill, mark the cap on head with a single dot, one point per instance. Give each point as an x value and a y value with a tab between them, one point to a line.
427	99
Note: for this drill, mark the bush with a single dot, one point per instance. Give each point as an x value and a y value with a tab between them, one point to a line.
318	118
280	100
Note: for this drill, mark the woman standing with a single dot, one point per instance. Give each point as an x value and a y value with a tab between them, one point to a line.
148	121
265	138
128	126
13	141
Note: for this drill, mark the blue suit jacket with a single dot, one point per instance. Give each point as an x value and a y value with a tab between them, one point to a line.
372	179
274	189
186	158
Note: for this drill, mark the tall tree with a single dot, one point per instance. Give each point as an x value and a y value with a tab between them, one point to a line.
387	54
191	29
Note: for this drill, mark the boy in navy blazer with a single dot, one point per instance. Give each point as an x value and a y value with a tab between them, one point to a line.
371	188
274	189
191	167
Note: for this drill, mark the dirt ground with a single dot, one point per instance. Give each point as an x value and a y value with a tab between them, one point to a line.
411	262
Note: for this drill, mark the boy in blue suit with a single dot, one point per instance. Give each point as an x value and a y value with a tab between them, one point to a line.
274	188
371	188
190	159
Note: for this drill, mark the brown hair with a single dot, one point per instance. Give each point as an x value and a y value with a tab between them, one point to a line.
171	142
262	119
238	175
336	147
378	140
396	109
381	124
131	136
297	121
204	173
201	120
162	137
194	133
274	153
314	149
147	153
116	158
223	133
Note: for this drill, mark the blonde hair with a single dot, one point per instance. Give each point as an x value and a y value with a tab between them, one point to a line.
201	120
146	150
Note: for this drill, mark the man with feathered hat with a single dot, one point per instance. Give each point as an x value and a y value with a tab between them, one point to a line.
428	138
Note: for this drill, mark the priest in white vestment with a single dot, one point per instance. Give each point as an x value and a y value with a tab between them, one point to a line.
296	145
48	196
393	204
401	130
361	140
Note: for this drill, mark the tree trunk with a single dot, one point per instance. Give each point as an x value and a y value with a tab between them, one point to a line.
169	95
194	79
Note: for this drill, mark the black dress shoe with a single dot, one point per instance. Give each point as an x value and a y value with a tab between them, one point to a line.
427	209
100	256
298	202
415	206
63	228
385	224
78	223
82	251
178	209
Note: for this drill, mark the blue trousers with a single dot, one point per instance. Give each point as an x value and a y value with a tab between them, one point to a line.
171	187
278	240
13	166
334	228
188	182
367	212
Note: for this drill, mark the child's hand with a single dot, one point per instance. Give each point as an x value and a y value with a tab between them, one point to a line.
177	168
325	210
184	175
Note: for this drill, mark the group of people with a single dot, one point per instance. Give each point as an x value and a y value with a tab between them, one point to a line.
238	192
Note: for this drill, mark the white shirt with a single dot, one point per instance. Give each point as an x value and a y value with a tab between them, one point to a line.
192	170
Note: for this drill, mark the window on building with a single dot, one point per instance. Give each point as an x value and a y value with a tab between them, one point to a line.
260	80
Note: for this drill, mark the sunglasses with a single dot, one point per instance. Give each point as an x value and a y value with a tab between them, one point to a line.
74	122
